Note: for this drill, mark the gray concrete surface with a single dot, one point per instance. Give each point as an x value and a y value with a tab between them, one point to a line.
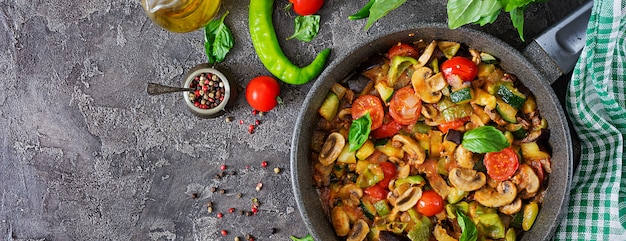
86	154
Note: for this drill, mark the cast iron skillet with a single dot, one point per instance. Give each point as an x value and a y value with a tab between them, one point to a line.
512	61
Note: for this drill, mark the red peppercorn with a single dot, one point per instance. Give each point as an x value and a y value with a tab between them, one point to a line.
220	215
264	164
255	112
231	210
223	167
241	122
224	232
251	129
254	210
257	122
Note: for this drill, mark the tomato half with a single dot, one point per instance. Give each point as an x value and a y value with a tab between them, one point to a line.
386	130
368	103
460	66
376	193
402	49
306	7
389	171
430	203
262	93
501	165
405	106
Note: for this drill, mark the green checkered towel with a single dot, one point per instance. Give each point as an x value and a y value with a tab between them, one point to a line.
596	103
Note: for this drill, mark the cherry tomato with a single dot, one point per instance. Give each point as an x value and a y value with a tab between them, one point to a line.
306	7
262	93
368	103
389	171
386	130
452	125
460	66
501	165
405	106
402	49
430	203
376	193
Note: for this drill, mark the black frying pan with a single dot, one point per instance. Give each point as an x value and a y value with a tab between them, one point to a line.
538	81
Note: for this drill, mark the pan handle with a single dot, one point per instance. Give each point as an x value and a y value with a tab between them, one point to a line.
556	51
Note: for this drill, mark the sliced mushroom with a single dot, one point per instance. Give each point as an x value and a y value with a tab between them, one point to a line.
512	208
350	192
428	52
411	147
526	180
345	114
332	148
421	87
441	234
340	220
504	193
467	179
475	56
409	198
359	231
464	157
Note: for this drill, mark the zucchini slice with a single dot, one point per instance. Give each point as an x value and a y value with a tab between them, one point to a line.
511	96
368	209
330	107
384	90
461	96
507	111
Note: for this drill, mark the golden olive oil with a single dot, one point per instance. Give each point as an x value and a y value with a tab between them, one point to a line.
181	16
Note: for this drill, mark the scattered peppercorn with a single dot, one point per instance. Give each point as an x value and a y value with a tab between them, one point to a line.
194	195
220	215
241	122
231	210
223	167
239	195
224	232
237	238
209	209
218	177
229	119
232	173
222	191
276	170
241	212
274	230
249	213
257	122
209	204
264	164
254	210
259	186
213	189
255	112
251	129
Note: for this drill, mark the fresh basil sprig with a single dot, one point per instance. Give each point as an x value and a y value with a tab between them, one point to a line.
484	139
364	12
468	228
305	238
380	8
359	132
306	27
218	40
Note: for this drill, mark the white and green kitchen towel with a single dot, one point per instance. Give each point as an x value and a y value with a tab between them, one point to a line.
596	103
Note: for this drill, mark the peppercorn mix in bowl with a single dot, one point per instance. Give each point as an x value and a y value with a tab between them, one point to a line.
212	92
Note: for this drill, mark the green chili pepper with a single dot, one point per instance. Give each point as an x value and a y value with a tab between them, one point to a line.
267	48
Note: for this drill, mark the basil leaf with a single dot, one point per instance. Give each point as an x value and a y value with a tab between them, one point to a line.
380	8
218	40
461	12
359	132
306	27
517	17
484	139
468	228
364	12
305	238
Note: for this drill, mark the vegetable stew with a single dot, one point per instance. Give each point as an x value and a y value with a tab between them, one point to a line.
440	144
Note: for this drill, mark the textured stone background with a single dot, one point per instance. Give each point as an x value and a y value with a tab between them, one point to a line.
86	154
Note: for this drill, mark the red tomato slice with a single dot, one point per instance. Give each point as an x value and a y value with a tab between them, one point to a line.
376	193
402	49
452	125
430	203
386	130
368	103
501	165
460	66
389	171
405	106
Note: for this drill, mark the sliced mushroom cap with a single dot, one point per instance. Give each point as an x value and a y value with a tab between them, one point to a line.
467	179
512	208
526	180
411	147
428	52
409	198
340	220
350	192
464	157
332	148
504	193
421	86
359	231
441	234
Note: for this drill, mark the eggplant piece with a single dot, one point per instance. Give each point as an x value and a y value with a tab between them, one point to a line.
390	236
454	136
